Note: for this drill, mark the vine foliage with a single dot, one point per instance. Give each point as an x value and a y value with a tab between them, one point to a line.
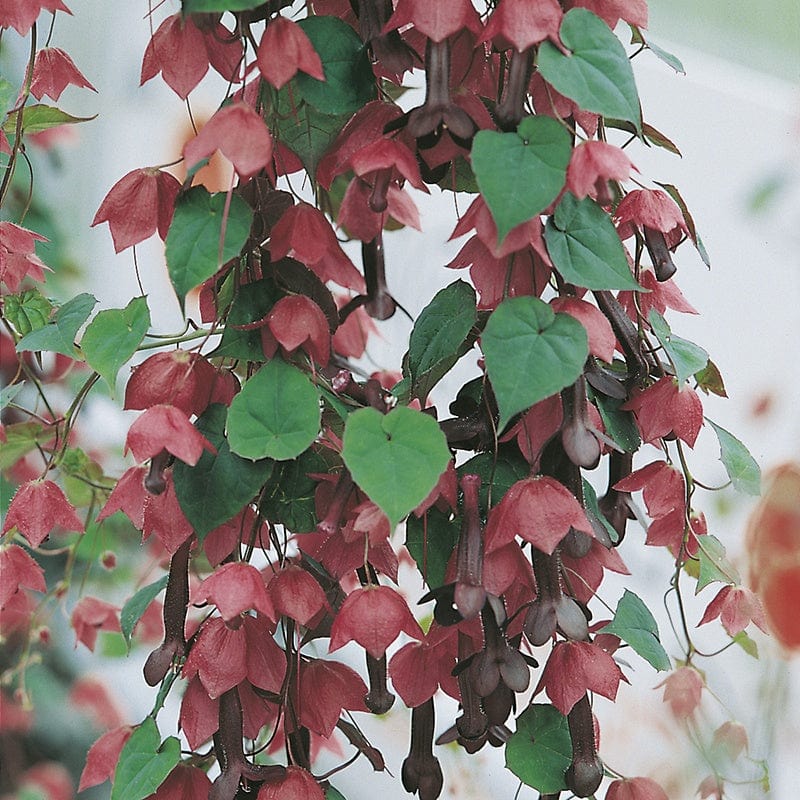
280	487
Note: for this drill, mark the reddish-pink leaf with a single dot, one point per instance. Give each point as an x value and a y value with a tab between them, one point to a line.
327	687
257	711
266	662
711	786
663	487
731	737
102	758
14	717
128	496
90	616
17	568
183	783
445	493
285	49
18	259
540	510
385	154
665	408
602	340
650	208
365	126
305	233
594	161
612	11
137	205
234	588
521	273
164	517
546	100
239	134
53	71
17	613
575	668
683	690
48	780
590	568
522	23
297	321
479	218
164	427
296	784
635	789
218	673
373	616
419	668
177	378
296	594
222	540
350	339
367	519
199	716
536	427
737	607
182	52
660	295
91	696
21	14
355	214
437	21
505	567
37	508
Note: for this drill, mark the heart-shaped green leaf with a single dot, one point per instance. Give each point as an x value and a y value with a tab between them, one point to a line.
596	74
620	425
396	458
218	486
634	624
349	81
439	336
431	540
193	241
304	129
714	565
113	336
742	468
585	247
28	311
132	610
40	117
548	349
540	750
59	335
144	762
520	174
686	356
288	495
275	415
253	301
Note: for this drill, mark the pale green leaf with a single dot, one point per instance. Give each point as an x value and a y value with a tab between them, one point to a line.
113	337
596	74
275	415
742	468
396	458
634	624
549	351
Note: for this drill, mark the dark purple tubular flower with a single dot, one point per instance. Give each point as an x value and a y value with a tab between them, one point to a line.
421	773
